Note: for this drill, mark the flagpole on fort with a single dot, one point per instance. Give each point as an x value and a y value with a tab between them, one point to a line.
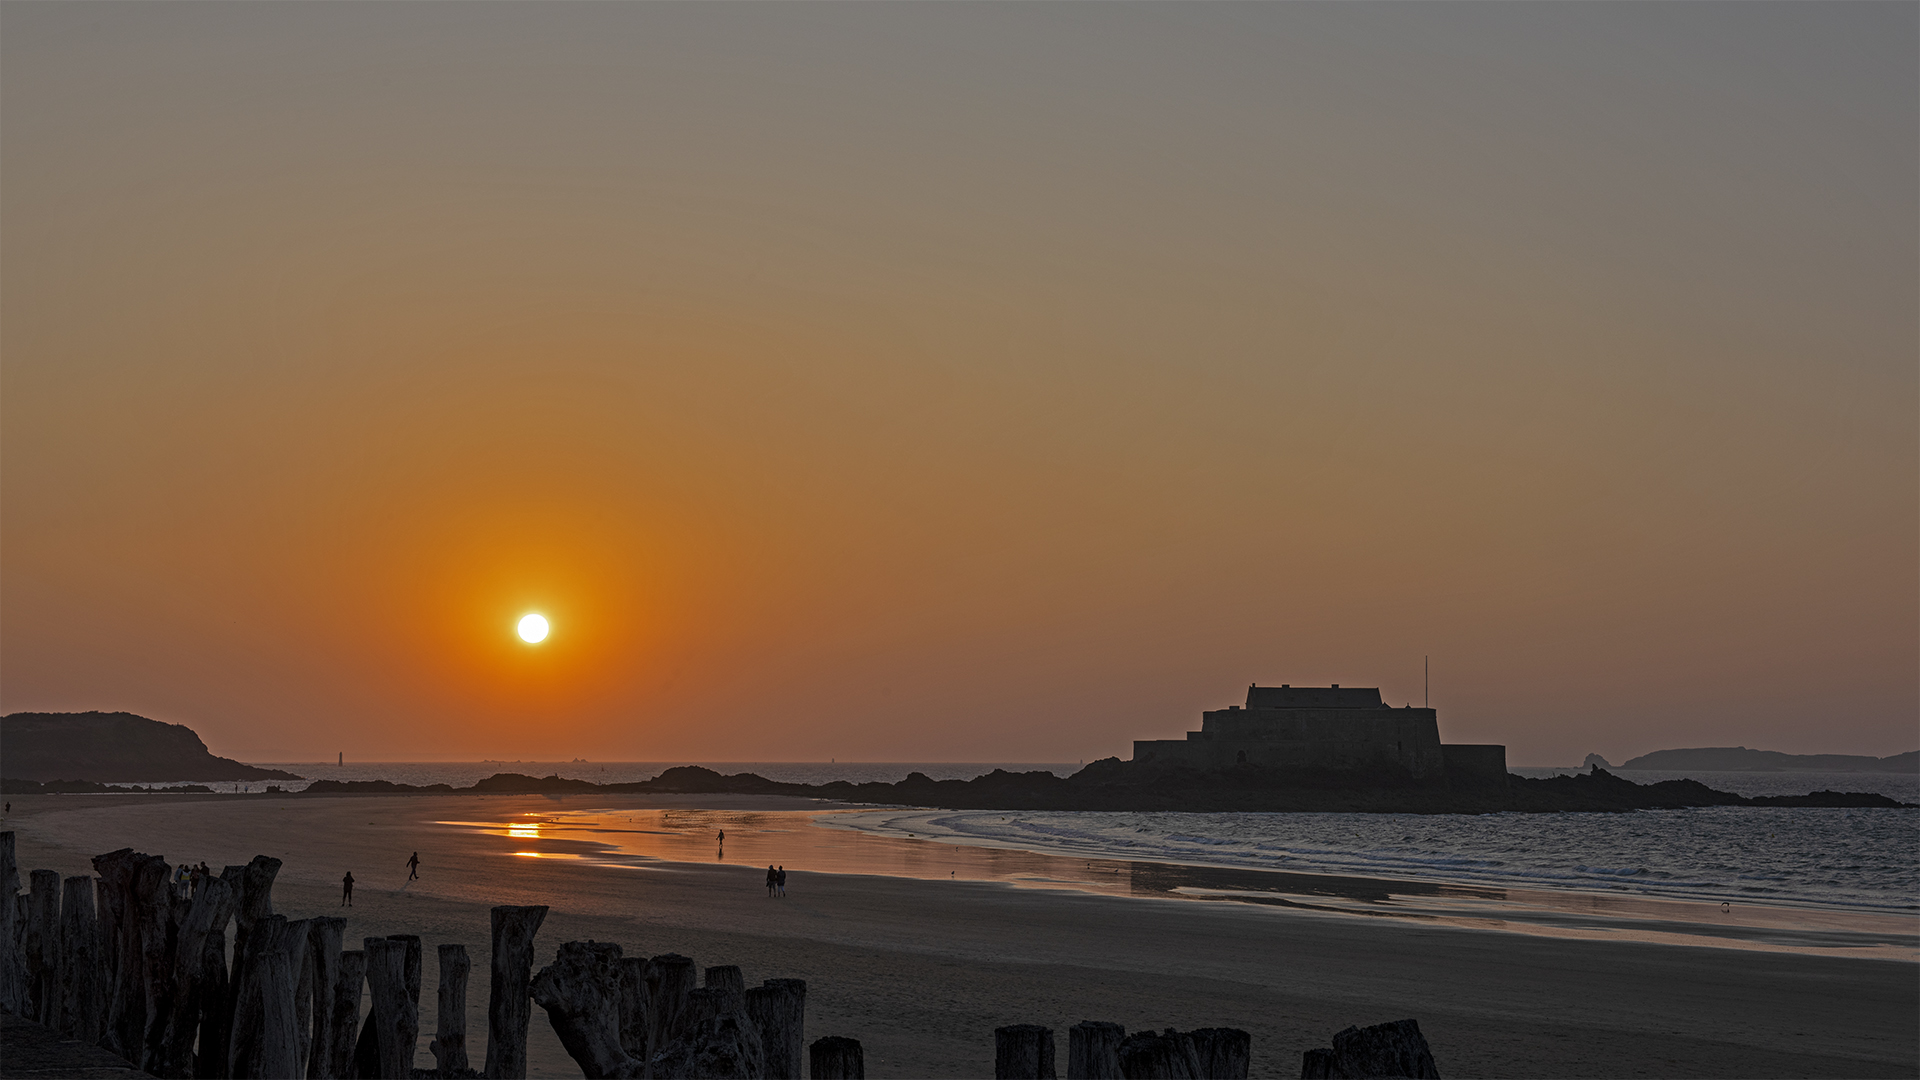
1426	673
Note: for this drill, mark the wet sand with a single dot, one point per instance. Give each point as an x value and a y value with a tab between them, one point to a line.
922	969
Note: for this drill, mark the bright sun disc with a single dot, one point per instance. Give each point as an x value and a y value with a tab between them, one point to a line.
533	628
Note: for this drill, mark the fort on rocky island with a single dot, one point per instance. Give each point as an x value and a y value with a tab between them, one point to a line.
1328	729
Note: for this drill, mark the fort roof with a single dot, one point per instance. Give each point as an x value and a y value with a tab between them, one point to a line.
1313	697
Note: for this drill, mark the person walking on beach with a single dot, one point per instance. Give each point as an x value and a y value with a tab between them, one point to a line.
413	867
780	881
772	880
346	890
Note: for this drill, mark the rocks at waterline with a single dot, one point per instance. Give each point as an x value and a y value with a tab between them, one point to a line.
1395	1049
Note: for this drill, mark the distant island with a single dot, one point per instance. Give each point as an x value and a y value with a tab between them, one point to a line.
112	747
1741	759
1322	750
1112	784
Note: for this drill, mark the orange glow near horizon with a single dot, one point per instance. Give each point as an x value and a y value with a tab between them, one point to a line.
832	401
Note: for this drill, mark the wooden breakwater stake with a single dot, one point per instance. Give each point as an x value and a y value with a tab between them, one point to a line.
200	920
836	1058
325	939
395	1016
1023	1052
449	1045
13	962
41	943
778	1008
508	1004
633	1006
669	980
580	991
367	1053
1391	1049
1093	1050
346	1013
81	1009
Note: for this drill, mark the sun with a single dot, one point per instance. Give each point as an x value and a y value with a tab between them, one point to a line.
533	629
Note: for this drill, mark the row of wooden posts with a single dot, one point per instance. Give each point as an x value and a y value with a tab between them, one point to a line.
1102	1051
124	961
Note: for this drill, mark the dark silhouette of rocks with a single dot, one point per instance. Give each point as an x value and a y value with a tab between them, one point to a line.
114	747
1596	759
1112	784
1741	759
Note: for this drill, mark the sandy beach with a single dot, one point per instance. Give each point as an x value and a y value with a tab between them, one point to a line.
922	969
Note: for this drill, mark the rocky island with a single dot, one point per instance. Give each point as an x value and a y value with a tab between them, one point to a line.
110	748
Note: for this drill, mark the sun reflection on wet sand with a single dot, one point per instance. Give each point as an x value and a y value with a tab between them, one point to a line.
801	841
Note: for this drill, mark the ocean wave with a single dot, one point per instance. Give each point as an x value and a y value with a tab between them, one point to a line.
1857	859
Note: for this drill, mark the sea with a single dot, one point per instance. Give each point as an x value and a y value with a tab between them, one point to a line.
1853	859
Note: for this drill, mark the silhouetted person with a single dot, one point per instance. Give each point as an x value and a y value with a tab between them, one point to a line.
772	880
346	890
413	867
723	836
780	881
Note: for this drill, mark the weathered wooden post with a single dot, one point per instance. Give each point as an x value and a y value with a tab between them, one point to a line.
778	1009
1023	1052
396	1015
80	1007
1093	1050
207	916
1168	1056
346	1013
669	980
449	1045
304	998
580	991
131	881
42	941
703	1004
217	989
13	961
633	1006
508	1010
1224	1053
732	984
249	993
274	1049
256	898
324	938
152	908
366	1054
836	1058
723	1045
1391	1049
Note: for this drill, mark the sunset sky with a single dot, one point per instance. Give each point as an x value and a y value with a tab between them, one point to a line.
971	382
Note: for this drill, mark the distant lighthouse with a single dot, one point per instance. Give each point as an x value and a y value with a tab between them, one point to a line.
343	758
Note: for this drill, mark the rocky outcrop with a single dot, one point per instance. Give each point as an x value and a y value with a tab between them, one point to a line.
1741	759
114	747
